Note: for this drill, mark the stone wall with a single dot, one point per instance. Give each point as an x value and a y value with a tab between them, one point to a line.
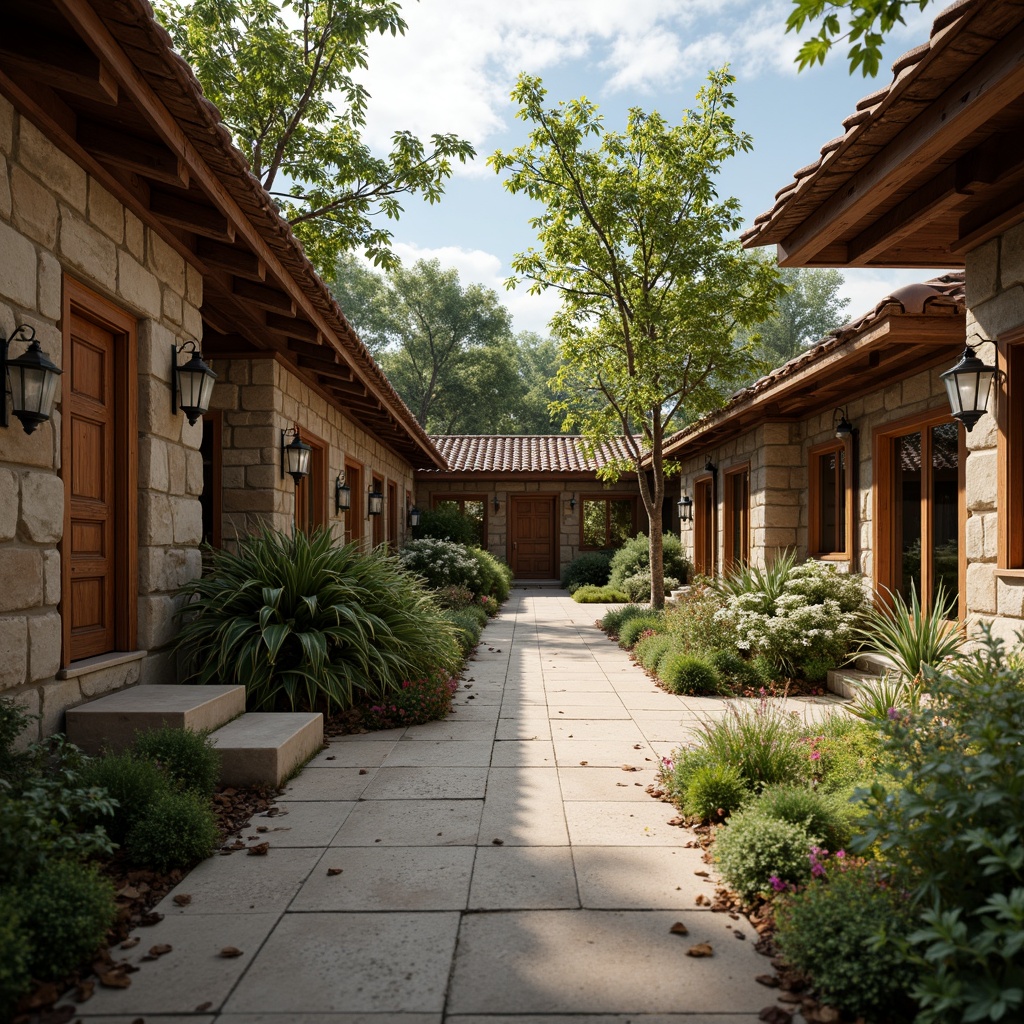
56	221
260	397
995	306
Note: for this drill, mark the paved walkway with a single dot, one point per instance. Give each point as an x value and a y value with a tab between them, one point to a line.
499	867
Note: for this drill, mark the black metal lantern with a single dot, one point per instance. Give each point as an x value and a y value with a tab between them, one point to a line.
294	456
844	428
31	379
191	384
414	516
374	502
968	385
497	504
572	503
710	467
685	507
342	494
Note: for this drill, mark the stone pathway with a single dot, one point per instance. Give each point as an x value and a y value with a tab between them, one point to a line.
499	867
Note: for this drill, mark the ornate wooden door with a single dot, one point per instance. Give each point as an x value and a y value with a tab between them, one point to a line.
532	537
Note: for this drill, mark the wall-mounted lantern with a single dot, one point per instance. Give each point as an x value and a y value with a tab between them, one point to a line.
844	429
497	504
294	456
710	467
968	385
342	495
31	379
374	502
414	516
191	384
572	503
685	507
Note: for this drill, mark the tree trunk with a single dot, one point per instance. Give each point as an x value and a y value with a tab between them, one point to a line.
657	549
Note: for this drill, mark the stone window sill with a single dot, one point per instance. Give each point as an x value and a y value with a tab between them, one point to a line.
100	662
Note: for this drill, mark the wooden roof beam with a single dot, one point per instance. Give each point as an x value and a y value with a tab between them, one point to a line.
294	327
193	216
263	295
333	370
144	157
57	61
239	262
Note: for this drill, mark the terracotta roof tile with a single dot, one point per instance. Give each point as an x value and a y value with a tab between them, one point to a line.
524	453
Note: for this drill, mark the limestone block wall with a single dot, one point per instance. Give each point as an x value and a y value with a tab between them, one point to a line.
58	222
260	397
995	307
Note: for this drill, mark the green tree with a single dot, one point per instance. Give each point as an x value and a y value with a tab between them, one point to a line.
868	21
808	309
653	283
278	70
539	363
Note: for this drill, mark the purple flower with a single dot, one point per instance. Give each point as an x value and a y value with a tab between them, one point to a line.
893	714
777	883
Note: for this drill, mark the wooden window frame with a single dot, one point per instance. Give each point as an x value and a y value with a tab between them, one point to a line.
215	417
731	475
704	534
1009	398
311	491
884	536
354	516
607	499
814	457
460	500
85	303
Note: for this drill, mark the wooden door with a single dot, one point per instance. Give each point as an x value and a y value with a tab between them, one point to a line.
90	420
392	509
532	541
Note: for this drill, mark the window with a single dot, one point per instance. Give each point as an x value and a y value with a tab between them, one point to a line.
311	491
831	501
377	527
607	522
704	526
354	516
392	512
210	500
474	506
1009	402
737	516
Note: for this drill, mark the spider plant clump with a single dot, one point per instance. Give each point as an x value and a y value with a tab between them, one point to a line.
303	623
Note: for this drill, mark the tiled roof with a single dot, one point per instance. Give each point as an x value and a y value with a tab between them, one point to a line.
960	34
940	296
523	453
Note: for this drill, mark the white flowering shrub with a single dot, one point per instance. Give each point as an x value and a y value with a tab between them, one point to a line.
442	563
807	627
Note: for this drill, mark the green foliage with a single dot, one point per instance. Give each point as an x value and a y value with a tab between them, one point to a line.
714	791
448	522
875	700
495	575
133	782
14	720
700	622
951	831
176	830
848	758
65	911
736	671
281	74
635	557
755	848
490	605
615	618
188	758
651	649
301	622
630	630
866	28
592	568
418	701
843	932
442	563
467	628
455	597
588	594
688	674
14	953
638	586
653	281
824	815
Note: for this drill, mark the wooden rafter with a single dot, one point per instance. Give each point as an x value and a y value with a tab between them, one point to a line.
147	158
235	260
192	214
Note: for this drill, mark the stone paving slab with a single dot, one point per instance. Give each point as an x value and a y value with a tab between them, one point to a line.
287	1017
602	1018
443	753
412	823
644	878
603	753
354	755
510	753
523	878
300	824
330	783
606	784
427	784
618	823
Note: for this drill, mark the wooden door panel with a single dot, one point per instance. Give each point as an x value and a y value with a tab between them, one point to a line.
532	539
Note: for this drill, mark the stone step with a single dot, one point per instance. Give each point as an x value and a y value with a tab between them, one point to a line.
878	664
111	722
265	747
846	681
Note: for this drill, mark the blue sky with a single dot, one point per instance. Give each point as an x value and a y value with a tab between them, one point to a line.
453	70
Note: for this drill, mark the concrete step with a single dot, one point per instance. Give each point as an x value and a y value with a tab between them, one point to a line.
878	664
845	681
265	747
112	721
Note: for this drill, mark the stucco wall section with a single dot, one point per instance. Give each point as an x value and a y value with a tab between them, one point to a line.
55	220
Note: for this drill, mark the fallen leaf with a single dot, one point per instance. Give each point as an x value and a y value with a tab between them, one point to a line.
498	842
701	874
362	771
160	950
129	892
153	917
679	929
84	990
739	934
230	951
584	762
115	979
774	1015
828	1015
334	871
202	1007
768	980
331	757
629	768
259	850
638	746
183	899
622	784
131	943
701	949
701	900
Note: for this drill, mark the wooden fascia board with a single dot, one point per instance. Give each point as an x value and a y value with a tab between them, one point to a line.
91	27
510	476
963	108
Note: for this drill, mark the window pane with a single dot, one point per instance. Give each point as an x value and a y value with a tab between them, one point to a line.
945	518
475	511
828	467
841	503
595	533
908	513
621	527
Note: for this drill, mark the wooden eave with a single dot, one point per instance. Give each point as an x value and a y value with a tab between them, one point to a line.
108	90
510	476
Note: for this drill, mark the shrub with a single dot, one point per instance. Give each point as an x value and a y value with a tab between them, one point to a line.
688	675
753	849
638	586
824	815
475	612
951	831
301	622
14	953
467	629
635	556
714	791
176	831
699	623
133	782
418	701
736	671
442	563
447	522
841	932
614	619
14	720
456	597
630	630
599	595
592	568
495	575
188	758
651	649
65	912
490	605
847	758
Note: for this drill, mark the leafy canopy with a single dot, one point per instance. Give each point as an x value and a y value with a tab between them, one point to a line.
866	28
281	72
654	285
